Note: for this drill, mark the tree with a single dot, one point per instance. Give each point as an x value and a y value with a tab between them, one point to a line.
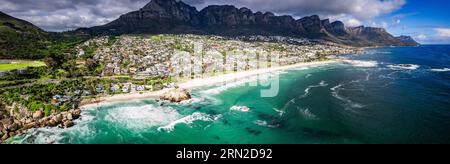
54	61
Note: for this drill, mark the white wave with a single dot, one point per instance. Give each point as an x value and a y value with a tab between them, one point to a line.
229	85
300	68
197	116
307	113
404	66
142	117
240	108
321	84
308	76
336	87
361	63
441	70
281	72
251	81
55	135
280	112
264	124
307	92
367	76
194	100
335	93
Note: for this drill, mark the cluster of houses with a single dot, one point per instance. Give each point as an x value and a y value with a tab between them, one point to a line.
129	88
197	56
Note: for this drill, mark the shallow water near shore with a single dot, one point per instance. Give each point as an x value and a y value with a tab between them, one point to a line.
364	100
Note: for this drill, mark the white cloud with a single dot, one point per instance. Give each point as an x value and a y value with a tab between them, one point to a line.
440	36
421	37
64	15
443	32
68	14
352	22
358	9
381	24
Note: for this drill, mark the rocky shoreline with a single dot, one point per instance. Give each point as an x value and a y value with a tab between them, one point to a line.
16	119
176	95
15	122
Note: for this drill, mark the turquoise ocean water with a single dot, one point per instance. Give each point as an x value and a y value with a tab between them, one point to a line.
368	99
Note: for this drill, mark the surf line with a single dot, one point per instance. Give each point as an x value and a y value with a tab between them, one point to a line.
192	154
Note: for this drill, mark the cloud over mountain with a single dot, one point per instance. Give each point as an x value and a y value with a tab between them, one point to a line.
68	14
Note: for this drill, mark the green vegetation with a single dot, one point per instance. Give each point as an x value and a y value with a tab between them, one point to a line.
157	38
178	45
277	47
20	65
112	40
39	96
22	40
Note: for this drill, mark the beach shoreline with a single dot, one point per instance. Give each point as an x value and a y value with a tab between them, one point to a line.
196	83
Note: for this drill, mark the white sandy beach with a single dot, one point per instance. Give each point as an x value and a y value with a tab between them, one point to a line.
197	83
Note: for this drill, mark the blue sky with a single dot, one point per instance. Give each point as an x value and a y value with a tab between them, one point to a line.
425	20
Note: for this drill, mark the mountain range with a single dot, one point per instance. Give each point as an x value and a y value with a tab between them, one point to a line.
177	17
18	37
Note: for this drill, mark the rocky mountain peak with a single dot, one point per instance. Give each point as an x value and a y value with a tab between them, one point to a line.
163	3
169	9
408	40
336	28
175	16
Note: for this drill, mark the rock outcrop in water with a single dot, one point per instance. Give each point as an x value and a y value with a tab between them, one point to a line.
176	17
176	95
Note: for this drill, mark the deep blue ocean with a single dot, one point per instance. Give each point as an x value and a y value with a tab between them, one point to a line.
387	95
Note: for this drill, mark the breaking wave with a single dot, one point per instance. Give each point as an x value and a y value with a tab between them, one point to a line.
404	66
197	116
56	135
240	108
306	113
335	93
321	84
142	117
440	70
306	94
361	63
300	68
264	124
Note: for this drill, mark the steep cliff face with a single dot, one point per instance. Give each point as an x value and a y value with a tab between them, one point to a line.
407	40
375	36
174	16
336	28
169	9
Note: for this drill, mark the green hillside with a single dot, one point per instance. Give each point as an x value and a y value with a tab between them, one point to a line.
20	39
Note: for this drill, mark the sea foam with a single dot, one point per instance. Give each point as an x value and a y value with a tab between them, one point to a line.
197	116
335	93
404	66
361	63
306	113
143	117
264	124
440	70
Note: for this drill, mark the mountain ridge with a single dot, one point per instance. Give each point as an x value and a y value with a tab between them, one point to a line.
177	17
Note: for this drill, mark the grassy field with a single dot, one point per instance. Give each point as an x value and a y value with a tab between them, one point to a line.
4	66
